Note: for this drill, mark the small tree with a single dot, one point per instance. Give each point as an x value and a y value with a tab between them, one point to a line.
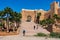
56	17
38	17
43	22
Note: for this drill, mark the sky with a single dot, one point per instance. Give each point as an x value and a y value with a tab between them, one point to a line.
18	5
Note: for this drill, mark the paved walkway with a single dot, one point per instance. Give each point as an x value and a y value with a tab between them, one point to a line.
18	37
30	31
29	27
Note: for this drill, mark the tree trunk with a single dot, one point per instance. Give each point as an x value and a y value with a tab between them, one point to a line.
7	23
18	24
14	26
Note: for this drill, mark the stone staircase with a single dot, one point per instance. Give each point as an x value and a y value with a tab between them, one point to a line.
29	28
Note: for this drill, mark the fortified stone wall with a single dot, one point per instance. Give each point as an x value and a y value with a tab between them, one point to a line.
42	17
54	9
26	13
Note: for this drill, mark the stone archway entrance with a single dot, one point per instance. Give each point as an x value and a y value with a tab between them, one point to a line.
29	18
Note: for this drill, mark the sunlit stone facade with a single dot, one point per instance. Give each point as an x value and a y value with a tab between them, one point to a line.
54	9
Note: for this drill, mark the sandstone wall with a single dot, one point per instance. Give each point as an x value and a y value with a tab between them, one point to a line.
26	13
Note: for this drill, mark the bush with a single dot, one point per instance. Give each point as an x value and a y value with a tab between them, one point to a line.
52	34
41	34
0	24
56	35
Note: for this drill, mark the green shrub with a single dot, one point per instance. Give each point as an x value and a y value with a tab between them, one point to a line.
52	34
56	35
41	34
0	24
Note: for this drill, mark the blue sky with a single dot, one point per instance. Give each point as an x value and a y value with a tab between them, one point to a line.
17	5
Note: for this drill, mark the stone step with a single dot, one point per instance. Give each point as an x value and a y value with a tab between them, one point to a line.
29	27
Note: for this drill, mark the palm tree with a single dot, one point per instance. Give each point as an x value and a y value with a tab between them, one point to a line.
38	17
55	16
9	15
7	12
0	18
0	14
43	22
17	18
50	21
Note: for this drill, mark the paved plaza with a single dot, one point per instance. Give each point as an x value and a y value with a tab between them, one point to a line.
18	37
28	26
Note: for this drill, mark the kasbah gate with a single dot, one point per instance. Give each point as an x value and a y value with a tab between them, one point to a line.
30	15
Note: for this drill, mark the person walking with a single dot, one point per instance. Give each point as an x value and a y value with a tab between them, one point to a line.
34	27
23	32
37	27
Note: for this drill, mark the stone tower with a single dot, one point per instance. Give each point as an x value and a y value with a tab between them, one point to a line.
54	7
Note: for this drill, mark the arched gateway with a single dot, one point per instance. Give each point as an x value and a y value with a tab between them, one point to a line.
28	15
29	18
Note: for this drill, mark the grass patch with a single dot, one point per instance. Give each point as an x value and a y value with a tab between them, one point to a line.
52	34
55	35
40	34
